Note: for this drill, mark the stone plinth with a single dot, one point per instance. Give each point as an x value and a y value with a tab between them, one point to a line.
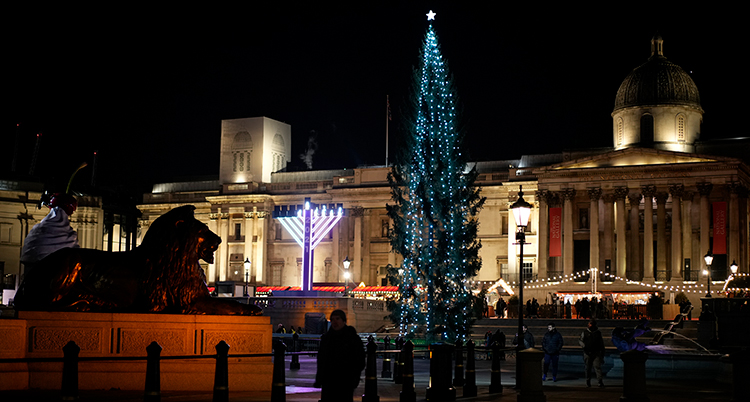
43	334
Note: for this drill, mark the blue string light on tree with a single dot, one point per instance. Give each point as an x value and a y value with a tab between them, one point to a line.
436	202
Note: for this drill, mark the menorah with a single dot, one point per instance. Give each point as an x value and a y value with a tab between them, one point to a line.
308	224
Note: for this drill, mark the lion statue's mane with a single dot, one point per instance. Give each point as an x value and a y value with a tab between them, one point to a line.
162	275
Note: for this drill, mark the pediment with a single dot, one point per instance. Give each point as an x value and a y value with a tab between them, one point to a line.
634	157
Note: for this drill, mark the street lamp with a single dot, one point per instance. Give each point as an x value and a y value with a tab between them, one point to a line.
347	262
709	258
247	275
521	211
733	267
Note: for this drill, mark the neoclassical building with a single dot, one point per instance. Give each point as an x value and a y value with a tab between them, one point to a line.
644	211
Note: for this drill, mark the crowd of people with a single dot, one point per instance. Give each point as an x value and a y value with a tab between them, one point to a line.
587	307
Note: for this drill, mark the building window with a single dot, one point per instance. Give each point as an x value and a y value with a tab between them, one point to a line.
681	127
6	233
583	218
619	132
237	231
278	231
647	129
528	271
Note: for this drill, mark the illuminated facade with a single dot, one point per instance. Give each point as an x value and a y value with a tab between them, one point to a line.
644	210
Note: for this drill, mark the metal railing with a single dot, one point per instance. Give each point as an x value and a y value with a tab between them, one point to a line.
403	372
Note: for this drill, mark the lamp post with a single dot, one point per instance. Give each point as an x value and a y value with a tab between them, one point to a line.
247	275
347	262
521	211
709	258
734	267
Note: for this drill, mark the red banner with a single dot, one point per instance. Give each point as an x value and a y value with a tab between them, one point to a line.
720	228
555	232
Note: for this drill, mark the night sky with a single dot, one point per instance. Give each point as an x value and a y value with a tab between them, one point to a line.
148	88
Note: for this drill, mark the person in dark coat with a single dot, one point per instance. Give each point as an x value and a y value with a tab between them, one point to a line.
568	310
499	338
341	359
552	344
593	352
528	339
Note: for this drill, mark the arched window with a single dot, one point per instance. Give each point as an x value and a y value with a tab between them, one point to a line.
278	150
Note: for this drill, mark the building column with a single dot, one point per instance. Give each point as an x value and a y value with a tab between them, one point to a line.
248	252
734	224
607	239
224	263
594	195
687	230
356	268
634	265
369	273
704	189
677	191
336	257
261	228
661	233
543	238
213	226
513	262
649	192
568	195
620	231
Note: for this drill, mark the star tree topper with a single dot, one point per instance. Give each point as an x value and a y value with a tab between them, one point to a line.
431	16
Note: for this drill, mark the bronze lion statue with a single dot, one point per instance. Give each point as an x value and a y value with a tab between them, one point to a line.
162	275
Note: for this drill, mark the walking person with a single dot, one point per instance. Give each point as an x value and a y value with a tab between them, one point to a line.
593	352
528	339
341	359
552	344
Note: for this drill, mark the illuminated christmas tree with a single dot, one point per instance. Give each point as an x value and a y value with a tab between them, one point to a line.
435	206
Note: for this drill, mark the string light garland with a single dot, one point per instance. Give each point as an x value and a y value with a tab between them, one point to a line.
583	276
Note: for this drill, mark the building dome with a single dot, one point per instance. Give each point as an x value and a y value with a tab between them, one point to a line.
657	106
657	82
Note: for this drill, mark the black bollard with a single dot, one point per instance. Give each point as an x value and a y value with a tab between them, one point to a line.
70	372
740	373
371	374
529	385
470	385
458	372
399	365
634	376
398	368
278	387
386	373
221	376
153	373
294	365
440	388
496	386
407	374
